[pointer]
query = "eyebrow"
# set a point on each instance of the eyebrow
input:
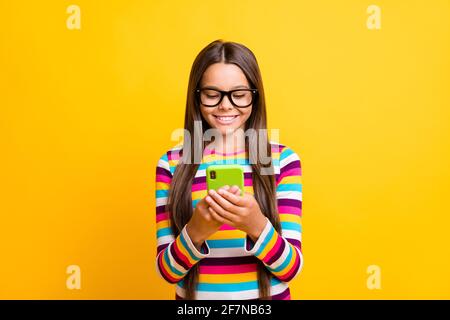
(235, 87)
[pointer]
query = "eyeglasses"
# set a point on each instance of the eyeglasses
(240, 98)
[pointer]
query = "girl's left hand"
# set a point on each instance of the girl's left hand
(241, 212)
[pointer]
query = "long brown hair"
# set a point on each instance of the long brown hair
(180, 201)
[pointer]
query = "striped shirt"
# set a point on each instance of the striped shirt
(228, 259)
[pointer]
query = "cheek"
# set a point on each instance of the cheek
(205, 113)
(246, 114)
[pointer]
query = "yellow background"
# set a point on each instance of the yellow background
(86, 114)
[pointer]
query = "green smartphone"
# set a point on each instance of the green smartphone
(219, 175)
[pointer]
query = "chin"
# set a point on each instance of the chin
(223, 129)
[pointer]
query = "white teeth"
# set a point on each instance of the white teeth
(226, 119)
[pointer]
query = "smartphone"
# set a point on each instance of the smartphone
(219, 175)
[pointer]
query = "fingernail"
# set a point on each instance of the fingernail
(208, 199)
(211, 192)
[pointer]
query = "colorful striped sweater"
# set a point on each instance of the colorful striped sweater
(228, 259)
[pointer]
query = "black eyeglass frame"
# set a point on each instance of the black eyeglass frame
(228, 94)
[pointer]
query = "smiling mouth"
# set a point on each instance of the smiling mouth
(226, 119)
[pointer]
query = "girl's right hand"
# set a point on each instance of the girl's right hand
(202, 225)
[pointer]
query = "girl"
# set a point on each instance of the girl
(224, 245)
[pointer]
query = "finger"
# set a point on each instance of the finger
(236, 200)
(235, 189)
(219, 209)
(224, 203)
(218, 217)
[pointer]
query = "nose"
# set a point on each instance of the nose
(225, 103)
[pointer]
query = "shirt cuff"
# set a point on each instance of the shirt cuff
(255, 247)
(191, 248)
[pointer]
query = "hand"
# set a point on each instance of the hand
(241, 212)
(202, 225)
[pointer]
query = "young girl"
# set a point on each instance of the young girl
(224, 245)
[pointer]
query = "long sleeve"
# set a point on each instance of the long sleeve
(282, 253)
(174, 255)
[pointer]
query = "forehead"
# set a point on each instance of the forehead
(225, 76)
